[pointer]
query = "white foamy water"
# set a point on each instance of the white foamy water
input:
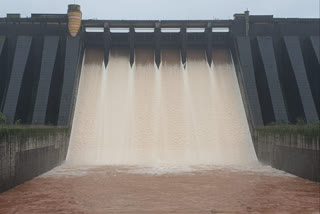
(66, 171)
(167, 117)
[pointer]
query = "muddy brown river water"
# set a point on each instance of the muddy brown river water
(209, 190)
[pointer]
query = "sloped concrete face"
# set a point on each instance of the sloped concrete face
(2, 69)
(312, 62)
(247, 71)
(293, 49)
(2, 41)
(47, 65)
(315, 41)
(270, 66)
(18, 69)
(71, 72)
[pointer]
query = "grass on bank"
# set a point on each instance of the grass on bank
(300, 128)
(27, 130)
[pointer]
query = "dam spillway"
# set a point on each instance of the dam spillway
(159, 72)
(167, 116)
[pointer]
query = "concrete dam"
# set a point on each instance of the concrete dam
(157, 93)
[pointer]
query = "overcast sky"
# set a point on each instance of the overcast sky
(166, 9)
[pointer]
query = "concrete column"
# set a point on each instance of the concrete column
(19, 64)
(49, 54)
(247, 17)
(209, 43)
(69, 80)
(2, 41)
(157, 40)
(131, 44)
(314, 78)
(293, 49)
(183, 37)
(247, 72)
(266, 50)
(107, 44)
(2, 71)
(315, 42)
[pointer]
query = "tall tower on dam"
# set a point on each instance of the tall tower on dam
(74, 19)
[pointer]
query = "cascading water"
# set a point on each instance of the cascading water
(151, 117)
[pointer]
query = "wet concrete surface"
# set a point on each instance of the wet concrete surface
(209, 190)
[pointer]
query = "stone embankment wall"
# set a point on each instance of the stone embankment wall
(294, 151)
(26, 152)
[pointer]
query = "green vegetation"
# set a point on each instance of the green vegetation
(27, 131)
(2, 118)
(18, 122)
(300, 128)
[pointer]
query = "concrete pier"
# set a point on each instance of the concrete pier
(18, 69)
(265, 45)
(297, 64)
(50, 49)
(247, 72)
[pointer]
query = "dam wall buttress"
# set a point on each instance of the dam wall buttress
(249, 80)
(49, 54)
(294, 52)
(70, 79)
(17, 73)
(285, 66)
(40, 65)
(281, 54)
(270, 71)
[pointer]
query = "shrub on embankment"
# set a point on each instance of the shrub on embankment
(2, 118)
(306, 130)
(30, 131)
